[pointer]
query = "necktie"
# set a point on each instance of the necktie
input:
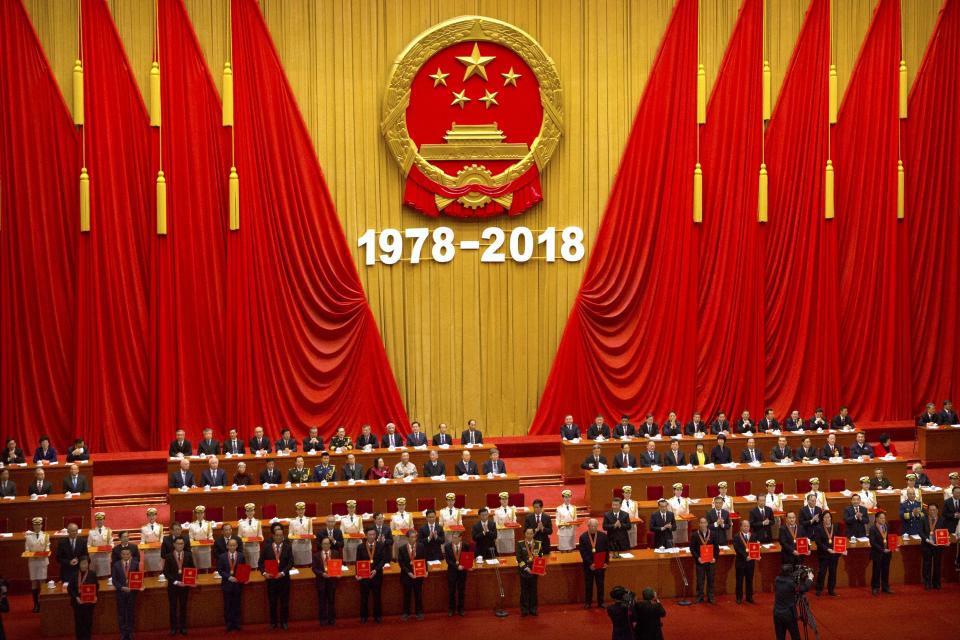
(126, 568)
(74, 482)
(753, 455)
(39, 486)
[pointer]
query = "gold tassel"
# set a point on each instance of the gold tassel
(904, 86)
(234, 199)
(698, 194)
(833, 94)
(767, 102)
(701, 94)
(161, 204)
(84, 200)
(78, 93)
(762, 195)
(901, 190)
(155, 94)
(828, 210)
(227, 95)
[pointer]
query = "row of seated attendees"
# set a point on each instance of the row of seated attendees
(722, 454)
(44, 453)
(73, 482)
(326, 471)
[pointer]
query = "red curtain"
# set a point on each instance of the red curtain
(303, 347)
(189, 303)
(800, 296)
(872, 248)
(931, 140)
(39, 219)
(629, 343)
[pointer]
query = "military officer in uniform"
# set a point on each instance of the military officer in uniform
(151, 533)
(100, 536)
(450, 516)
(325, 472)
(351, 525)
(680, 507)
(527, 551)
(251, 533)
(400, 524)
(504, 515)
(566, 522)
(630, 506)
(298, 474)
(301, 536)
(201, 530)
(911, 515)
(37, 541)
(341, 440)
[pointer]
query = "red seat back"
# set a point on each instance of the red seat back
(426, 503)
(838, 484)
(654, 492)
(338, 508)
(713, 491)
(778, 487)
(77, 520)
(268, 511)
(618, 493)
(364, 506)
(391, 505)
(743, 487)
(460, 500)
(686, 491)
(183, 515)
(311, 510)
(4, 525)
(517, 500)
(803, 486)
(215, 514)
(241, 512)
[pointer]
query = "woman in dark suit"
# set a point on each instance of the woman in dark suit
(82, 612)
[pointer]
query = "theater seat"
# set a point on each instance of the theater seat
(426, 503)
(311, 510)
(460, 500)
(215, 514)
(268, 511)
(803, 486)
(77, 520)
(743, 487)
(493, 500)
(686, 491)
(654, 492)
(4, 525)
(391, 505)
(838, 484)
(778, 488)
(713, 491)
(183, 515)
(618, 493)
(517, 500)
(241, 512)
(364, 506)
(338, 508)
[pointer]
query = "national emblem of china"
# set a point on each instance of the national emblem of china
(472, 114)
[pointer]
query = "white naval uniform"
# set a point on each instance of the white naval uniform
(566, 532)
(680, 507)
(38, 566)
(400, 521)
(727, 502)
(302, 549)
(448, 518)
(250, 528)
(633, 510)
(351, 524)
(868, 500)
(201, 530)
(100, 562)
(151, 557)
(506, 538)
(775, 502)
(821, 499)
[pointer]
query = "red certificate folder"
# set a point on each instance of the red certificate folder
(189, 576)
(271, 568)
(466, 560)
(803, 546)
(706, 553)
(242, 573)
(599, 559)
(135, 580)
(941, 537)
(893, 541)
(419, 568)
(334, 567)
(88, 594)
(363, 569)
(539, 566)
(839, 544)
(753, 551)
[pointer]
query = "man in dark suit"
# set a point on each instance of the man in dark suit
(721, 453)
(951, 509)
(594, 460)
(663, 523)
(180, 446)
(177, 592)
(416, 437)
(352, 470)
(751, 453)
(672, 426)
(880, 480)
(789, 532)
(592, 541)
(456, 574)
(434, 466)
(183, 477)
(720, 425)
(744, 424)
(880, 555)
(126, 599)
(466, 466)
(624, 459)
(472, 435)
(743, 564)
(375, 553)
(794, 422)
(124, 544)
(412, 585)
(648, 614)
(233, 444)
(213, 475)
(278, 550)
(598, 429)
(366, 438)
(494, 464)
(391, 439)
(568, 430)
(768, 423)
(69, 552)
(674, 457)
(431, 537)
(325, 584)
(695, 426)
(806, 451)
(761, 521)
(286, 443)
(222, 544)
(7, 487)
(74, 482)
(649, 428)
(819, 422)
(842, 420)
(40, 485)
(700, 538)
(383, 535)
(947, 415)
(232, 589)
(442, 437)
(781, 451)
(855, 517)
(259, 444)
(270, 473)
(929, 416)
(624, 428)
(484, 535)
(930, 552)
(208, 446)
(332, 531)
(176, 533)
(616, 524)
(313, 441)
(719, 520)
(541, 524)
(830, 449)
(810, 516)
(650, 456)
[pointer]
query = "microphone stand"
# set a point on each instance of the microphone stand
(500, 612)
(684, 601)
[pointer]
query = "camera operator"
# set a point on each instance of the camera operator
(647, 615)
(788, 588)
(619, 612)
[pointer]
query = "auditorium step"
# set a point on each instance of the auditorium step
(540, 480)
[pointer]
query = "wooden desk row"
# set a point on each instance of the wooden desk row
(17, 514)
(940, 445)
(600, 486)
(572, 454)
(255, 464)
(23, 476)
(562, 584)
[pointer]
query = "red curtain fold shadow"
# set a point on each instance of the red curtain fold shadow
(303, 346)
(39, 206)
(629, 343)
(872, 247)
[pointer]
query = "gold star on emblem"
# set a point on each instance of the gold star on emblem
(460, 99)
(510, 78)
(489, 98)
(440, 77)
(475, 63)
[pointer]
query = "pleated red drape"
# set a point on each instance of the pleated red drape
(629, 344)
(39, 219)
(800, 266)
(189, 303)
(930, 150)
(730, 308)
(303, 347)
(872, 249)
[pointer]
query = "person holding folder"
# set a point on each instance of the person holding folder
(459, 556)
(276, 560)
(126, 597)
(174, 566)
(80, 599)
(234, 573)
(744, 564)
(828, 557)
(327, 567)
(593, 552)
(527, 553)
(411, 555)
(371, 556)
(705, 549)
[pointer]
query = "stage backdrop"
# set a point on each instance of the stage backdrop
(465, 339)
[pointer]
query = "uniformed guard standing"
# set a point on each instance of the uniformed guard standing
(100, 536)
(251, 533)
(566, 516)
(201, 530)
(151, 533)
(400, 524)
(351, 525)
(37, 542)
(630, 506)
(506, 542)
(301, 525)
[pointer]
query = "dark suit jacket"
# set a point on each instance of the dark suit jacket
(618, 538)
(119, 578)
(45, 489)
(740, 547)
(716, 427)
(431, 548)
(857, 450)
(530, 522)
(317, 564)
(648, 429)
(667, 430)
(371, 440)
(50, 455)
(115, 554)
(876, 542)
(352, 472)
(177, 448)
(760, 532)
(721, 455)
(586, 551)
(258, 445)
(80, 487)
(176, 479)
(284, 562)
(779, 454)
(406, 561)
(73, 586)
(9, 489)
(822, 424)
(593, 431)
(649, 458)
(720, 532)
(286, 445)
(220, 546)
(223, 568)
(692, 429)
(768, 425)
(488, 467)
(670, 459)
(787, 544)
(335, 535)
(839, 422)
(745, 455)
(647, 615)
(451, 557)
(880, 483)
(948, 417)
(926, 418)
(442, 438)
(416, 439)
(211, 448)
(794, 425)
(824, 542)
(437, 468)
(830, 452)
(926, 532)
(951, 513)
(65, 554)
(566, 433)
(662, 537)
(387, 438)
(695, 544)
(486, 542)
(624, 430)
(739, 427)
(15, 458)
(80, 457)
(468, 469)
(619, 463)
(590, 463)
(239, 448)
(166, 545)
(477, 437)
(310, 444)
(810, 454)
(807, 525)
(170, 568)
(380, 557)
(213, 479)
(857, 528)
(273, 477)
